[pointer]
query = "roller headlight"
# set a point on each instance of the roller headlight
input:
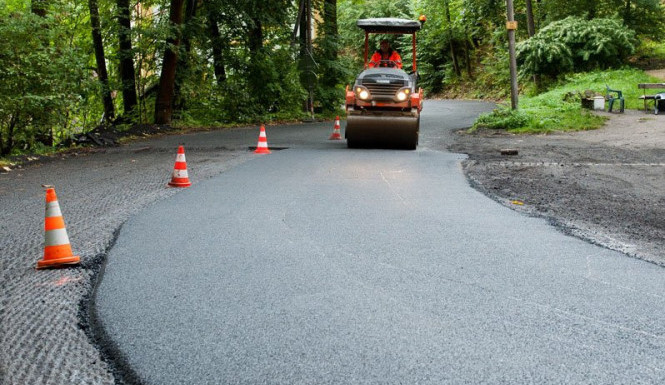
(403, 94)
(362, 93)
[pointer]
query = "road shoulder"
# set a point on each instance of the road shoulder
(605, 186)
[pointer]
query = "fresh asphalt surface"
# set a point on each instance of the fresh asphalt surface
(320, 264)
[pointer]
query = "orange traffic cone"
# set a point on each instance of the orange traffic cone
(180, 178)
(336, 135)
(57, 250)
(262, 146)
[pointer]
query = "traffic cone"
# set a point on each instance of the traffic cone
(262, 146)
(180, 178)
(57, 250)
(336, 135)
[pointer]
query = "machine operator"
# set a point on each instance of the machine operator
(385, 57)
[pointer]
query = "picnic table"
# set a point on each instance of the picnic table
(658, 99)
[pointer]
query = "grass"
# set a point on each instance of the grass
(649, 54)
(559, 109)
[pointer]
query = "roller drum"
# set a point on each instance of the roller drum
(382, 131)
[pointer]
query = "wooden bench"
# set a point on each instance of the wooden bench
(657, 99)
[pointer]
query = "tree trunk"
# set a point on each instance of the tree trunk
(256, 80)
(127, 74)
(330, 34)
(163, 104)
(467, 57)
(184, 60)
(303, 29)
(591, 6)
(97, 42)
(38, 7)
(513, 64)
(9, 143)
(305, 58)
(255, 36)
(216, 43)
(453, 54)
(330, 26)
(626, 14)
(531, 28)
(530, 24)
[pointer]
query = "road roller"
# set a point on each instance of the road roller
(383, 106)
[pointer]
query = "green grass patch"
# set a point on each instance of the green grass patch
(649, 54)
(559, 109)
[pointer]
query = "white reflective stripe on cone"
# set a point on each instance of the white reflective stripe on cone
(56, 237)
(180, 174)
(180, 158)
(53, 209)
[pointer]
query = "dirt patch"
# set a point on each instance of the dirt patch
(659, 73)
(606, 185)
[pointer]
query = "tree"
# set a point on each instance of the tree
(126, 58)
(530, 24)
(40, 84)
(39, 7)
(575, 44)
(330, 70)
(216, 42)
(163, 104)
(449, 31)
(185, 56)
(102, 74)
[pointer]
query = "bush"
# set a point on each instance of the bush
(559, 109)
(42, 81)
(573, 45)
(502, 118)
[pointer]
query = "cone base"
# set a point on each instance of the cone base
(335, 137)
(262, 151)
(180, 184)
(73, 260)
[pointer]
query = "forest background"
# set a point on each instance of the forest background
(71, 66)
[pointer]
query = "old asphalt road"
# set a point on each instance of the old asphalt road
(320, 264)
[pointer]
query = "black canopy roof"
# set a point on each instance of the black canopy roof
(389, 25)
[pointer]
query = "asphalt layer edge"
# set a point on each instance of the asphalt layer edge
(91, 324)
(562, 226)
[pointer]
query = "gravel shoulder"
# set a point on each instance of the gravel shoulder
(44, 335)
(605, 185)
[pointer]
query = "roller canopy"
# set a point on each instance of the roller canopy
(389, 25)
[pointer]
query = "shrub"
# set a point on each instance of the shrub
(502, 118)
(574, 44)
(41, 81)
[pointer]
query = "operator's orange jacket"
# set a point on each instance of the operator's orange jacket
(393, 56)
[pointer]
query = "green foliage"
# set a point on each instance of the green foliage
(48, 87)
(42, 81)
(503, 118)
(560, 108)
(260, 85)
(645, 17)
(625, 80)
(650, 54)
(352, 38)
(574, 44)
